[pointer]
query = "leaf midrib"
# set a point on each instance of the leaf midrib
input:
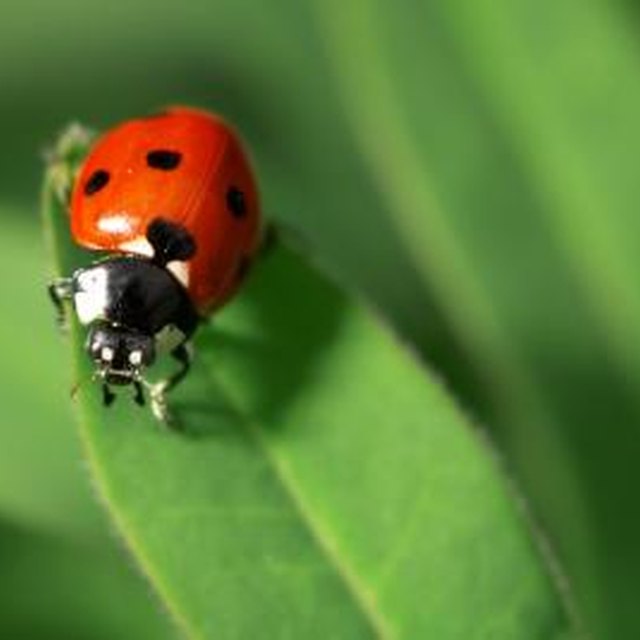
(325, 542)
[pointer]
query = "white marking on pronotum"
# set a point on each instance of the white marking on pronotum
(91, 296)
(117, 223)
(107, 354)
(180, 270)
(135, 358)
(140, 246)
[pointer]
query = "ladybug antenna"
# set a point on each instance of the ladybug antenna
(170, 241)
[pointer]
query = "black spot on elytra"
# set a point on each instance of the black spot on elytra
(170, 241)
(164, 159)
(236, 202)
(98, 180)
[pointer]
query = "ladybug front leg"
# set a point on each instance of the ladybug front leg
(138, 397)
(60, 290)
(108, 396)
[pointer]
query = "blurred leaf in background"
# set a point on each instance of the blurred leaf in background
(470, 167)
(55, 588)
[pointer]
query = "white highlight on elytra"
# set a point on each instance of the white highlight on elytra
(117, 223)
(139, 246)
(90, 300)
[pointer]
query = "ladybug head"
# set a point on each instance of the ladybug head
(120, 354)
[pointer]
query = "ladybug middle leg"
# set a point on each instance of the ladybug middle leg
(184, 356)
(158, 391)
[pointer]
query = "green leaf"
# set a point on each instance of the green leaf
(499, 139)
(575, 137)
(55, 588)
(42, 482)
(323, 483)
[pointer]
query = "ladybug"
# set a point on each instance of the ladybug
(170, 201)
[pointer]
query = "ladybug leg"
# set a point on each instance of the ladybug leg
(270, 239)
(277, 234)
(107, 395)
(159, 403)
(158, 391)
(60, 290)
(184, 356)
(138, 398)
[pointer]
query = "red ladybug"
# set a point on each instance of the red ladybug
(172, 201)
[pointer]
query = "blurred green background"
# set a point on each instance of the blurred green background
(470, 167)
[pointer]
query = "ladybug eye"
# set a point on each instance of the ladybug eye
(98, 180)
(236, 202)
(163, 159)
